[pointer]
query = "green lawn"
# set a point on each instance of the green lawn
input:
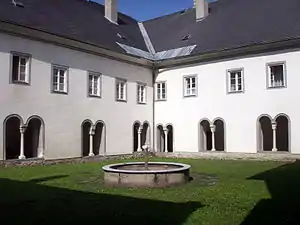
(221, 193)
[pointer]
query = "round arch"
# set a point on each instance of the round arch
(11, 136)
(99, 140)
(283, 132)
(34, 138)
(220, 133)
(264, 133)
(171, 141)
(204, 135)
(135, 136)
(86, 126)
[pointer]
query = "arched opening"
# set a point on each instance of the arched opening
(219, 135)
(136, 127)
(85, 133)
(12, 137)
(282, 133)
(34, 138)
(170, 138)
(160, 138)
(99, 139)
(265, 134)
(205, 136)
(145, 139)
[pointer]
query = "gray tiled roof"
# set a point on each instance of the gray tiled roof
(76, 19)
(230, 24)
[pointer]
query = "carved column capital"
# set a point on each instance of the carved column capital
(212, 128)
(274, 125)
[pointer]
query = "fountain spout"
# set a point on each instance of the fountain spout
(146, 153)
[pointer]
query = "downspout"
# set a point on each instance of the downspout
(154, 75)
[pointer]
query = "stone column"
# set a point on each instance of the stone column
(213, 130)
(22, 132)
(41, 142)
(92, 133)
(166, 131)
(139, 138)
(274, 127)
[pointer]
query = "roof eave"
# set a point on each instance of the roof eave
(38, 35)
(229, 53)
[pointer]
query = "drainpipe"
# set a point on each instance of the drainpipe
(154, 75)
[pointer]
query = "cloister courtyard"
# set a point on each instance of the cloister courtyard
(221, 192)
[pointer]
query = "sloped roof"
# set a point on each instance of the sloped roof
(230, 24)
(75, 19)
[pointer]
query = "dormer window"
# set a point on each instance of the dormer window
(186, 37)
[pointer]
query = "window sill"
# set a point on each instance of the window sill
(60, 92)
(121, 100)
(94, 96)
(190, 96)
(161, 100)
(236, 92)
(141, 103)
(276, 87)
(21, 83)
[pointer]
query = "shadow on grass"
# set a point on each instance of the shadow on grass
(283, 208)
(32, 203)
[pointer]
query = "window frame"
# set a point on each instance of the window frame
(268, 78)
(228, 80)
(28, 68)
(156, 88)
(125, 89)
(185, 95)
(66, 68)
(139, 84)
(88, 84)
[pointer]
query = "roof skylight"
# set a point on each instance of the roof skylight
(17, 4)
(186, 37)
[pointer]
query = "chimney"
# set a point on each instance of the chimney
(201, 7)
(111, 10)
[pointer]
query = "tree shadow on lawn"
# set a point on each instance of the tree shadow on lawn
(284, 207)
(32, 203)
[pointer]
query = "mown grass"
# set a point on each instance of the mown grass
(221, 193)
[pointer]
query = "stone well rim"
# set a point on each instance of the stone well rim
(181, 167)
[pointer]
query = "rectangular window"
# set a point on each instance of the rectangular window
(235, 81)
(20, 68)
(121, 86)
(94, 84)
(161, 91)
(276, 75)
(59, 79)
(141, 93)
(190, 86)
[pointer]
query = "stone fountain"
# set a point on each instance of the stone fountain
(146, 174)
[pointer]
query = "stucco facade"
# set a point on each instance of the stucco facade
(239, 111)
(63, 114)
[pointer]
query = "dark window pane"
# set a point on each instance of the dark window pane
(15, 68)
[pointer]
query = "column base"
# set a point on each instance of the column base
(91, 154)
(274, 150)
(22, 157)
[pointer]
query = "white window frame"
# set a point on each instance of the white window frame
(158, 94)
(27, 71)
(118, 86)
(242, 84)
(141, 93)
(270, 80)
(99, 84)
(65, 88)
(190, 91)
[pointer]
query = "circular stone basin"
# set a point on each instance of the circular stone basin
(159, 174)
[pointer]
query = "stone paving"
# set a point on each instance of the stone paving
(266, 156)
